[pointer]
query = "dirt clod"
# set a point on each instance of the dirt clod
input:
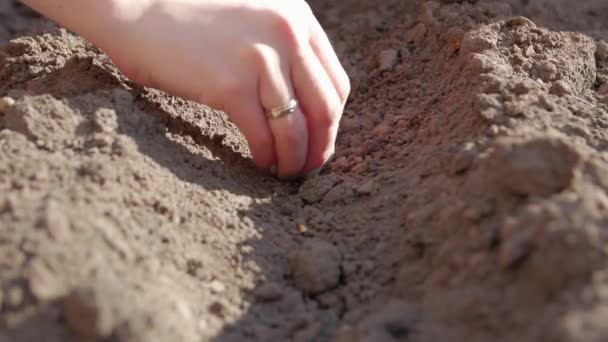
(87, 315)
(14, 297)
(268, 292)
(540, 166)
(560, 88)
(316, 266)
(387, 59)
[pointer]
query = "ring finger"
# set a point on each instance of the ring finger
(290, 131)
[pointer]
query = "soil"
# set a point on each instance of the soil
(467, 200)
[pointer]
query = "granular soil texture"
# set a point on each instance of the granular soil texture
(467, 200)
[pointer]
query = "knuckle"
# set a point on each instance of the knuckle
(285, 27)
(259, 57)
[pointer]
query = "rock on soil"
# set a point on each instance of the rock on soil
(316, 267)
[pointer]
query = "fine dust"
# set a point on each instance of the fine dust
(467, 199)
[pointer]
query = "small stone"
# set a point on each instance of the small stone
(529, 51)
(545, 70)
(494, 130)
(366, 188)
(6, 103)
(515, 250)
(560, 88)
(387, 59)
(268, 292)
(302, 229)
(14, 297)
(87, 315)
(316, 267)
(217, 286)
(417, 34)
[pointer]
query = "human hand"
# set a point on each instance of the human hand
(244, 57)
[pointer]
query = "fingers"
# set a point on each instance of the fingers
(322, 47)
(323, 107)
(247, 114)
(290, 132)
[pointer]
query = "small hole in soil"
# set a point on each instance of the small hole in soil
(397, 329)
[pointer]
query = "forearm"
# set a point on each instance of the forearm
(97, 20)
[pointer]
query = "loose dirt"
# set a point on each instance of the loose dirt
(467, 200)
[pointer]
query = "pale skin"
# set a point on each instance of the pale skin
(241, 56)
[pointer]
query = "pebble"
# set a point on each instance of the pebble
(268, 292)
(6, 103)
(87, 316)
(515, 250)
(560, 88)
(387, 59)
(316, 267)
(366, 188)
(417, 34)
(14, 297)
(302, 228)
(217, 286)
(545, 70)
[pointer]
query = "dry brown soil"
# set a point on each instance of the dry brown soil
(467, 200)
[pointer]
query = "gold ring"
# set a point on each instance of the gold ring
(279, 112)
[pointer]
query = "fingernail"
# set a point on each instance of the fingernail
(273, 170)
